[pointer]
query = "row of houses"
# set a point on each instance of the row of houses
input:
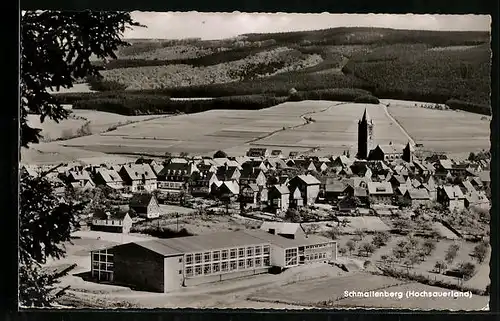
(281, 183)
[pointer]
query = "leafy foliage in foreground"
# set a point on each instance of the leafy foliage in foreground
(55, 50)
(45, 224)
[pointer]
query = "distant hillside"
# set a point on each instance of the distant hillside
(382, 36)
(432, 66)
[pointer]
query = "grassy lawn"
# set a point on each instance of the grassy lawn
(324, 289)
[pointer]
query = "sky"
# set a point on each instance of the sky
(178, 25)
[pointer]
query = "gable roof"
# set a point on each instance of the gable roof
(453, 192)
(281, 227)
(276, 152)
(309, 179)
(224, 173)
(253, 187)
(379, 188)
(175, 169)
(233, 187)
(336, 187)
(282, 189)
(109, 175)
(399, 179)
(418, 194)
(484, 176)
(391, 148)
(402, 189)
(141, 200)
(445, 163)
(139, 171)
(360, 192)
(80, 175)
(468, 186)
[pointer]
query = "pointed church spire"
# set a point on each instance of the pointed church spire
(366, 116)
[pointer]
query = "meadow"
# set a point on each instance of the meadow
(333, 129)
(448, 131)
(319, 127)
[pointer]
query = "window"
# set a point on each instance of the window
(250, 251)
(96, 256)
(206, 257)
(102, 257)
(189, 259)
(224, 254)
(207, 269)
(266, 261)
(197, 258)
(258, 262)
(95, 265)
(180, 260)
(233, 253)
(232, 265)
(216, 267)
(241, 264)
(266, 249)
(197, 270)
(241, 252)
(109, 266)
(291, 256)
(315, 256)
(189, 271)
(224, 266)
(258, 250)
(180, 271)
(249, 263)
(102, 266)
(216, 255)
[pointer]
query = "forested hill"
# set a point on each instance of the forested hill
(432, 66)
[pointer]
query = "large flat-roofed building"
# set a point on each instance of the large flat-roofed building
(167, 264)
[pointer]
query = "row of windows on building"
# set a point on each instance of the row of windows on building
(107, 222)
(316, 246)
(230, 254)
(169, 185)
(227, 266)
(102, 263)
(315, 256)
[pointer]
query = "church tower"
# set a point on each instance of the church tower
(365, 136)
(408, 152)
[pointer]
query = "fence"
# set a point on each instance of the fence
(405, 273)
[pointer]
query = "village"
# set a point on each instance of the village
(297, 204)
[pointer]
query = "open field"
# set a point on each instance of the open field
(202, 224)
(284, 126)
(333, 130)
(98, 122)
(446, 131)
(54, 153)
(324, 289)
(77, 88)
